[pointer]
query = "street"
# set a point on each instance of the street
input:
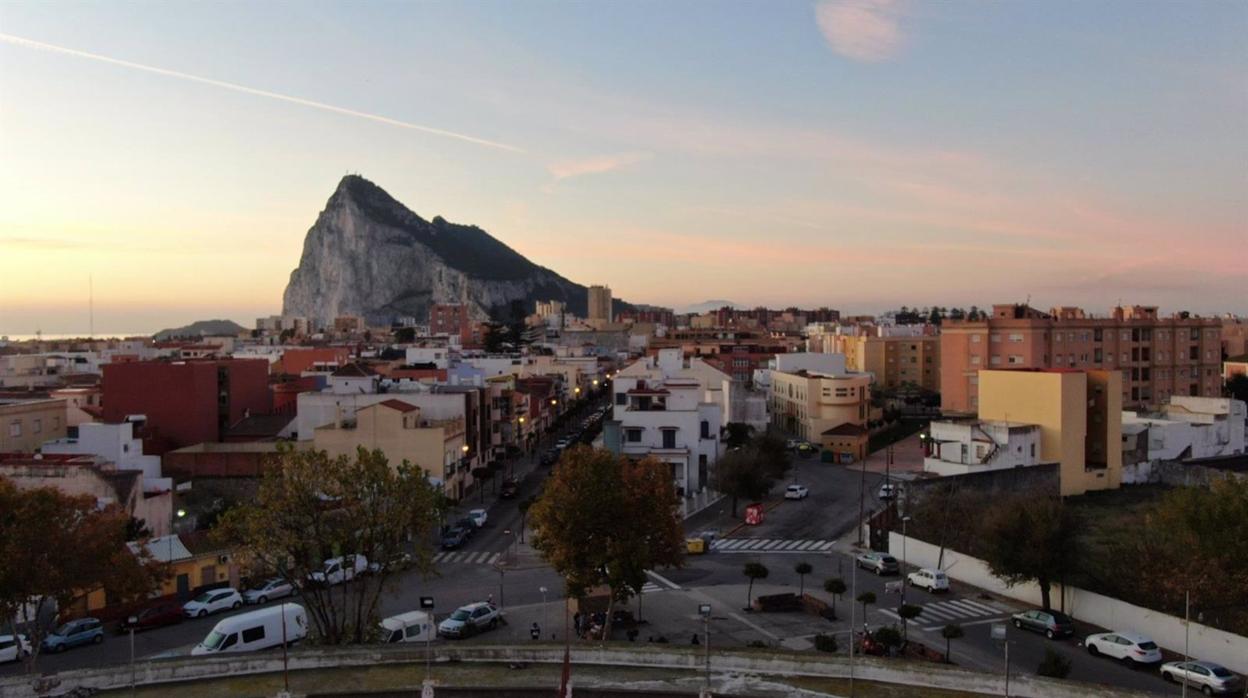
(818, 530)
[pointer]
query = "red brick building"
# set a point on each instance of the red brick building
(186, 402)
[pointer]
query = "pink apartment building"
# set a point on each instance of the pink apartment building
(1158, 357)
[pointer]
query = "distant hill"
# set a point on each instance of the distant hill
(201, 328)
(369, 255)
(708, 306)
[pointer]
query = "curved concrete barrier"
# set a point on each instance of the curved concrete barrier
(755, 662)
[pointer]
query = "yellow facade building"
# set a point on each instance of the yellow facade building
(1079, 414)
(397, 429)
(26, 424)
(813, 406)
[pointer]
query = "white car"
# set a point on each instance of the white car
(930, 579)
(274, 588)
(796, 492)
(13, 648)
(1132, 648)
(470, 619)
(1210, 678)
(337, 570)
(211, 602)
(889, 490)
(479, 517)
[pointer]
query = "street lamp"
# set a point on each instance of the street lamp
(131, 621)
(543, 590)
(704, 610)
(904, 521)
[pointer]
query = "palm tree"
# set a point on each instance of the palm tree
(950, 632)
(835, 587)
(908, 612)
(802, 569)
(754, 570)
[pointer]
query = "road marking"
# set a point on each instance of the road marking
(494, 557)
(938, 613)
(983, 609)
(660, 578)
(728, 544)
(984, 621)
(968, 608)
(790, 544)
(439, 557)
(827, 546)
(757, 628)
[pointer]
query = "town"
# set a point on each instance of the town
(926, 485)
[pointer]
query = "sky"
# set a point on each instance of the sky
(167, 158)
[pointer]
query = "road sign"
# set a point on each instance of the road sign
(426, 602)
(704, 610)
(998, 632)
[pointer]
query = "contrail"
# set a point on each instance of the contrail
(29, 43)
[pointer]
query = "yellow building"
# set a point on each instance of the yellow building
(893, 360)
(397, 429)
(807, 404)
(26, 424)
(1079, 414)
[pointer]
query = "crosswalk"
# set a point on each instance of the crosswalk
(766, 545)
(467, 557)
(962, 611)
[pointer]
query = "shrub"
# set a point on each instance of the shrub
(825, 643)
(1053, 665)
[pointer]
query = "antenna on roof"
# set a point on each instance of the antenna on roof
(90, 306)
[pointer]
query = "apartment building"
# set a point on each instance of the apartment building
(896, 355)
(1079, 414)
(599, 303)
(1156, 356)
(399, 430)
(813, 397)
(26, 424)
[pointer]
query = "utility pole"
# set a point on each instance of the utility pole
(1187, 624)
(853, 603)
(862, 503)
(133, 620)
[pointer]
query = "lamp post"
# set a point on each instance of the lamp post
(173, 525)
(426, 603)
(132, 620)
(705, 611)
(543, 590)
(904, 521)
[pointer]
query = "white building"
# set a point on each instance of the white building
(1189, 427)
(439, 356)
(973, 446)
(116, 444)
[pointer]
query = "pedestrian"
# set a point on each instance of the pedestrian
(576, 623)
(490, 599)
(695, 640)
(535, 632)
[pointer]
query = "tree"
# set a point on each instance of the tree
(802, 569)
(754, 571)
(1236, 387)
(311, 507)
(59, 548)
(957, 314)
(751, 471)
(603, 519)
(524, 505)
(494, 338)
(825, 643)
(1054, 665)
(887, 637)
(1028, 538)
(136, 529)
(479, 475)
(737, 434)
(836, 587)
(950, 632)
(866, 598)
(405, 335)
(934, 317)
(908, 612)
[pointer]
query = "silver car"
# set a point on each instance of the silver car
(1212, 679)
(274, 588)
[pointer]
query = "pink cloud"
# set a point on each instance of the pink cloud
(565, 169)
(862, 30)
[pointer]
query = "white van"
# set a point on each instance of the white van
(256, 630)
(337, 570)
(413, 626)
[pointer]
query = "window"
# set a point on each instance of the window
(1097, 335)
(995, 338)
(706, 429)
(1033, 450)
(1016, 359)
(230, 641)
(621, 398)
(1057, 337)
(15, 427)
(1193, 353)
(1098, 356)
(632, 435)
(253, 634)
(36, 425)
(975, 339)
(996, 360)
(1016, 337)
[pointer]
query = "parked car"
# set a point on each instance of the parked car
(880, 563)
(791, 444)
(413, 626)
(1051, 623)
(479, 517)
(930, 579)
(796, 492)
(157, 615)
(13, 648)
(338, 570)
(509, 489)
(1132, 648)
(274, 588)
(256, 630)
(84, 631)
(211, 602)
(470, 619)
(466, 523)
(889, 490)
(392, 563)
(806, 448)
(454, 538)
(1212, 679)
(548, 458)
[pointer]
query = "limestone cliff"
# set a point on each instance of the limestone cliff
(368, 255)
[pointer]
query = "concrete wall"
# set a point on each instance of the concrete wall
(583, 658)
(1039, 478)
(1175, 474)
(1168, 631)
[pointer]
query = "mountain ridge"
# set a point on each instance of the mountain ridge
(368, 254)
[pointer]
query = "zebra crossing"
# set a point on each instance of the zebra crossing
(767, 545)
(941, 613)
(467, 557)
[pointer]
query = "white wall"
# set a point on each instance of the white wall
(815, 362)
(1206, 643)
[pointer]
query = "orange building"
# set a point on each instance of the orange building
(1158, 357)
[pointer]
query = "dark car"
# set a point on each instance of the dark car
(154, 616)
(549, 458)
(466, 523)
(1051, 623)
(509, 489)
(454, 538)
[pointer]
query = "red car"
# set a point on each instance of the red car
(154, 616)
